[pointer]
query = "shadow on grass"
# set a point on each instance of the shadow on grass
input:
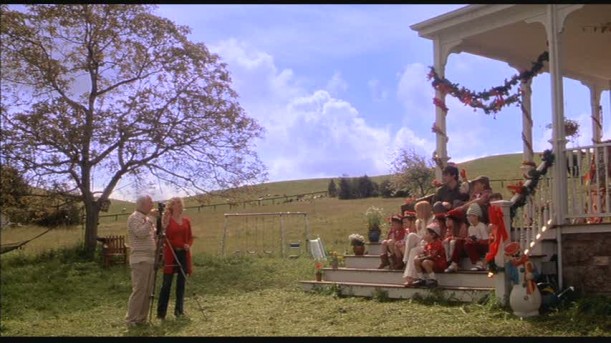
(167, 327)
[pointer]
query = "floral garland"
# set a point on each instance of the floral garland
(524, 189)
(479, 100)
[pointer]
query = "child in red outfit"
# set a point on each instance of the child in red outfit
(389, 245)
(431, 260)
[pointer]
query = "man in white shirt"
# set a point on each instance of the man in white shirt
(141, 234)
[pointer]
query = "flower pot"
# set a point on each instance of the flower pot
(334, 264)
(359, 250)
(374, 235)
(318, 276)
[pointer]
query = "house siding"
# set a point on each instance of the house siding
(587, 262)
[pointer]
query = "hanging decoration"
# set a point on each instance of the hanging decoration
(500, 95)
(521, 190)
(438, 130)
(526, 117)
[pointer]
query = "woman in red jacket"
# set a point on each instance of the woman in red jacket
(176, 255)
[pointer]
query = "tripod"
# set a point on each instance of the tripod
(158, 256)
(183, 273)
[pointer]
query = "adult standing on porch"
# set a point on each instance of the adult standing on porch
(141, 237)
(176, 256)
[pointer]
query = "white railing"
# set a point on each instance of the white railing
(588, 174)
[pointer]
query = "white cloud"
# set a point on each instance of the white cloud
(308, 132)
(378, 93)
(415, 93)
(336, 84)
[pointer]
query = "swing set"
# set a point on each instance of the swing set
(4, 248)
(265, 234)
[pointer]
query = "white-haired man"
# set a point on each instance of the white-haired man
(141, 235)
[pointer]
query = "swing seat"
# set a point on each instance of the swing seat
(295, 248)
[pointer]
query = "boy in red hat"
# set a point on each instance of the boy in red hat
(476, 243)
(389, 245)
(456, 229)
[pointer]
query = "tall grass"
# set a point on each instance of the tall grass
(61, 294)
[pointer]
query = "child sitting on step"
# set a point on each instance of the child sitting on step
(476, 243)
(431, 260)
(413, 241)
(396, 234)
(409, 225)
(456, 229)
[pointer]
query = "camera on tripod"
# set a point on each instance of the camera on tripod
(160, 209)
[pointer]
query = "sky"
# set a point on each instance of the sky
(340, 89)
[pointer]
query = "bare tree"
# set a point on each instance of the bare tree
(112, 92)
(412, 172)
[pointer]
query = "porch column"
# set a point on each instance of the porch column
(527, 124)
(596, 109)
(554, 27)
(440, 114)
(441, 50)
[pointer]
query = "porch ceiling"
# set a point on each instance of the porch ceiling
(516, 35)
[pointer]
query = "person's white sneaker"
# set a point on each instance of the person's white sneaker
(452, 268)
(479, 266)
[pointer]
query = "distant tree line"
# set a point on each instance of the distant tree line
(21, 203)
(363, 187)
(411, 176)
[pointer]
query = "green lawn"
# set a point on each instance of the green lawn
(58, 294)
(48, 290)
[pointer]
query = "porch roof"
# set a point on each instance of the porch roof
(516, 35)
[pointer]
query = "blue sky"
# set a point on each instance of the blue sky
(340, 89)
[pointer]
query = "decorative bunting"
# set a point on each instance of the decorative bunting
(500, 95)
(523, 190)
(436, 129)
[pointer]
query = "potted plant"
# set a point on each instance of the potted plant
(318, 265)
(358, 243)
(334, 259)
(374, 217)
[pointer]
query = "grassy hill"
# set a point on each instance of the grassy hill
(331, 219)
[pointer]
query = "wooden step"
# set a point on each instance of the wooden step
(362, 289)
(395, 277)
(373, 248)
(373, 261)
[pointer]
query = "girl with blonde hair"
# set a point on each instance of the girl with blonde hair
(414, 244)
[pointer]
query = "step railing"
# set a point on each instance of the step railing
(588, 174)
(531, 207)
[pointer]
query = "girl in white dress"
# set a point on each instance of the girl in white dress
(414, 244)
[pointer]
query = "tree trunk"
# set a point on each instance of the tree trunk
(92, 215)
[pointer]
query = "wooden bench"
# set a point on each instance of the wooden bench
(114, 250)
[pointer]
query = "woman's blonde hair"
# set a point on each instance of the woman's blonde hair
(423, 206)
(170, 204)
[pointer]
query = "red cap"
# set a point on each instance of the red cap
(396, 217)
(409, 214)
(456, 213)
